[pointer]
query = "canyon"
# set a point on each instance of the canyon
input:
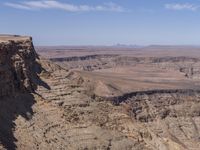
(98, 97)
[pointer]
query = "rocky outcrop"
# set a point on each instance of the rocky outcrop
(18, 81)
(18, 66)
(165, 119)
(67, 114)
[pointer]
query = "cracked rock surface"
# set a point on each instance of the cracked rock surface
(43, 106)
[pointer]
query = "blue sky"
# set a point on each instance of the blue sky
(103, 22)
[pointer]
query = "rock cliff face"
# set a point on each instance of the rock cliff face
(17, 64)
(18, 80)
(43, 106)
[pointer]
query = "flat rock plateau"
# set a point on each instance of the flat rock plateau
(98, 98)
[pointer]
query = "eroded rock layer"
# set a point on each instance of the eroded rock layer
(18, 80)
(43, 106)
(17, 66)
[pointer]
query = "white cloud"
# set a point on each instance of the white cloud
(54, 4)
(179, 6)
(17, 6)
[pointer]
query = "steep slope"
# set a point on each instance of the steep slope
(18, 78)
(43, 106)
(46, 107)
(17, 64)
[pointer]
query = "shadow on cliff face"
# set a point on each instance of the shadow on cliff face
(18, 104)
(36, 70)
(10, 109)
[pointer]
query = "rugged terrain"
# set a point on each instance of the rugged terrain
(118, 102)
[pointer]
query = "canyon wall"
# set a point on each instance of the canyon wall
(18, 66)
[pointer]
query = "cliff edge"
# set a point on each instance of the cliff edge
(18, 65)
(19, 78)
(43, 106)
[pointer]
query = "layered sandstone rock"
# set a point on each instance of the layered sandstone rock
(17, 65)
(52, 108)
(18, 79)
